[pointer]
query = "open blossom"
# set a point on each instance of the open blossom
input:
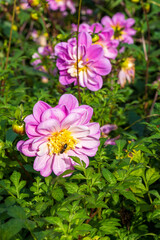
(61, 5)
(127, 72)
(57, 133)
(121, 26)
(91, 62)
(104, 37)
(108, 44)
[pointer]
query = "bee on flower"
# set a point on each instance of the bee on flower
(127, 72)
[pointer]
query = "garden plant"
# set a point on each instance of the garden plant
(79, 120)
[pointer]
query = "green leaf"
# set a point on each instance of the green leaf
(15, 178)
(71, 187)
(152, 175)
(56, 221)
(17, 212)
(78, 176)
(120, 144)
(10, 135)
(57, 194)
(129, 195)
(10, 229)
(81, 230)
(109, 226)
(109, 176)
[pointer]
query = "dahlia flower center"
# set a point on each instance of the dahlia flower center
(81, 67)
(128, 63)
(61, 142)
(118, 32)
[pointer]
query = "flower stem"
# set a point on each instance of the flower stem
(148, 53)
(79, 15)
(9, 44)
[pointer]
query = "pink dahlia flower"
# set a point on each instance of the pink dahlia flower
(121, 26)
(92, 64)
(57, 133)
(127, 71)
(61, 5)
(108, 44)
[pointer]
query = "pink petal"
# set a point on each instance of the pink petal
(43, 149)
(26, 148)
(54, 113)
(96, 85)
(38, 141)
(79, 131)
(39, 108)
(69, 101)
(86, 113)
(48, 127)
(85, 39)
(71, 119)
(94, 52)
(107, 21)
(40, 162)
(86, 151)
(94, 128)
(102, 67)
(61, 163)
(89, 142)
(45, 172)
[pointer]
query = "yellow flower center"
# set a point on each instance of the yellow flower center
(128, 63)
(81, 67)
(61, 142)
(118, 32)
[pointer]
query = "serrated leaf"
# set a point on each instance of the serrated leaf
(109, 176)
(15, 178)
(57, 194)
(152, 175)
(10, 229)
(129, 195)
(120, 144)
(109, 226)
(71, 187)
(78, 176)
(17, 212)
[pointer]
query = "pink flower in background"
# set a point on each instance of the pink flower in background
(105, 130)
(24, 4)
(108, 44)
(91, 62)
(104, 36)
(84, 27)
(57, 133)
(43, 52)
(61, 5)
(127, 72)
(121, 26)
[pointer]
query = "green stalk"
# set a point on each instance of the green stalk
(79, 15)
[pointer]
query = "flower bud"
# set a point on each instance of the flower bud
(95, 38)
(33, 3)
(147, 7)
(18, 128)
(34, 16)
